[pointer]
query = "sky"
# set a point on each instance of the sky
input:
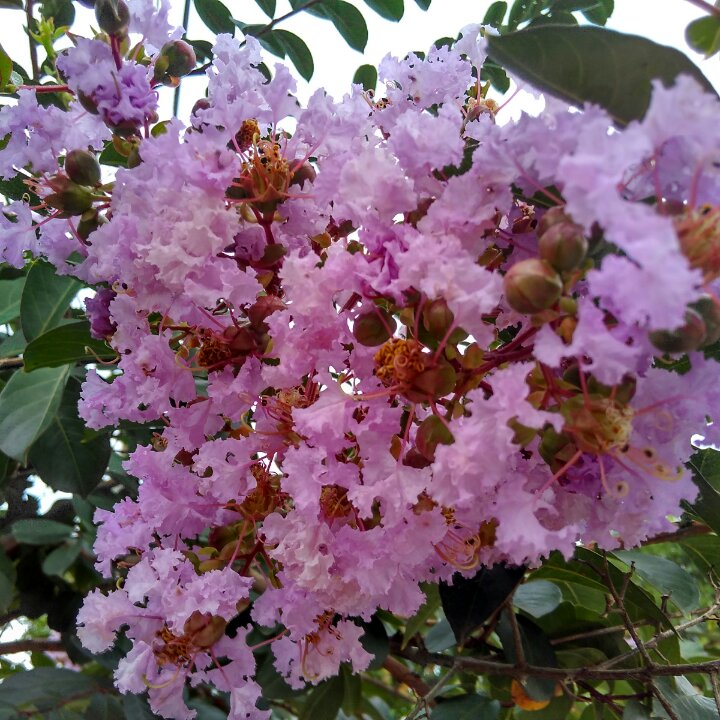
(335, 63)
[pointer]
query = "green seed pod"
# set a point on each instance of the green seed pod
(374, 328)
(71, 199)
(532, 286)
(437, 318)
(82, 167)
(564, 246)
(688, 337)
(176, 59)
(113, 16)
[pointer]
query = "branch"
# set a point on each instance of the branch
(33, 47)
(38, 645)
(405, 676)
(692, 530)
(706, 6)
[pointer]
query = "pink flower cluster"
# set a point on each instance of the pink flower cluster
(389, 339)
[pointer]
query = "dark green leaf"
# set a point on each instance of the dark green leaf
(417, 622)
(111, 157)
(707, 504)
(46, 687)
(469, 602)
(685, 700)
(600, 13)
(349, 22)
(440, 637)
(467, 707)
(523, 10)
(10, 295)
(267, 6)
(27, 405)
(39, 531)
(538, 597)
(216, 16)
(366, 75)
(104, 707)
(297, 51)
(61, 558)
(68, 343)
(665, 575)
(13, 345)
(352, 690)
(703, 35)
(324, 701)
(423, 4)
(635, 710)
(496, 75)
(63, 456)
(61, 11)
(703, 552)
(8, 576)
(595, 65)
(11, 4)
(45, 299)
(136, 708)
(15, 188)
(536, 648)
(495, 14)
(389, 9)
(375, 641)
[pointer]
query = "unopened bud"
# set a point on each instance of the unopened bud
(374, 328)
(88, 224)
(563, 245)
(551, 217)
(71, 198)
(431, 433)
(113, 16)
(176, 59)
(709, 311)
(82, 167)
(305, 173)
(436, 382)
(438, 318)
(204, 629)
(690, 336)
(532, 286)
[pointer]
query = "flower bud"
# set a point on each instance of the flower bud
(551, 217)
(709, 311)
(688, 337)
(373, 328)
(113, 16)
(305, 173)
(438, 318)
(82, 167)
(204, 629)
(436, 382)
(177, 58)
(564, 246)
(70, 198)
(532, 286)
(431, 433)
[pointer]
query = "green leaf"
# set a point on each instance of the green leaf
(600, 13)
(10, 294)
(389, 9)
(635, 710)
(46, 688)
(703, 35)
(348, 21)
(523, 10)
(267, 6)
(352, 690)
(366, 75)
(104, 707)
(375, 641)
(469, 602)
(27, 405)
(685, 700)
(705, 476)
(538, 597)
(13, 345)
(423, 4)
(8, 575)
(592, 64)
(61, 11)
(11, 4)
(61, 558)
(665, 575)
(440, 637)
(68, 343)
(467, 707)
(297, 51)
(704, 552)
(558, 709)
(45, 299)
(39, 531)
(111, 157)
(496, 75)
(216, 16)
(495, 14)
(6, 68)
(325, 700)
(417, 622)
(64, 458)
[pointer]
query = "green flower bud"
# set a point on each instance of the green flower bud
(437, 382)
(532, 286)
(374, 328)
(305, 173)
(438, 318)
(563, 245)
(688, 337)
(71, 199)
(176, 59)
(82, 167)
(113, 16)
(88, 224)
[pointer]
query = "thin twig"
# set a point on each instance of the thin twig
(39, 645)
(406, 676)
(664, 702)
(706, 6)
(425, 700)
(716, 690)
(33, 47)
(520, 661)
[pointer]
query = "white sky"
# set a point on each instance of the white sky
(335, 63)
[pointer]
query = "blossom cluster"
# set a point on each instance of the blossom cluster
(389, 338)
